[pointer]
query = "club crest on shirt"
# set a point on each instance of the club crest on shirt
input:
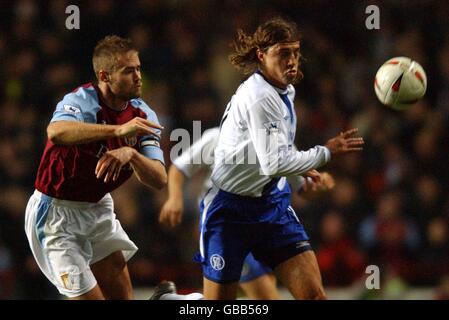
(101, 151)
(131, 141)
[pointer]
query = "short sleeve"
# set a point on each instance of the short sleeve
(80, 105)
(68, 110)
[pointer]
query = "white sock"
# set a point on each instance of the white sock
(175, 296)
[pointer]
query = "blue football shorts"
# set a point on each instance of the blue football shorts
(232, 226)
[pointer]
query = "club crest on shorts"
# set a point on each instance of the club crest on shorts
(217, 262)
(131, 141)
(71, 279)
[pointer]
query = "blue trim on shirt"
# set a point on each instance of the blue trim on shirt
(287, 102)
(284, 96)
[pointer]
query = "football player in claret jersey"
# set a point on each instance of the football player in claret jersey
(99, 135)
(248, 208)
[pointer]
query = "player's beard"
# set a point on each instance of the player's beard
(125, 93)
(133, 93)
(137, 92)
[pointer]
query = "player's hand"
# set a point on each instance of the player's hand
(171, 212)
(111, 163)
(311, 180)
(313, 189)
(345, 142)
(137, 127)
(327, 182)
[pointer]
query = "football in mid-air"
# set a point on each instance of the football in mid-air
(400, 82)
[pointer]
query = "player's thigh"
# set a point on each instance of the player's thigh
(219, 291)
(113, 277)
(301, 275)
(62, 256)
(108, 235)
(222, 251)
(257, 280)
(261, 288)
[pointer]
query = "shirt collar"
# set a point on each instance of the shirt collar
(278, 90)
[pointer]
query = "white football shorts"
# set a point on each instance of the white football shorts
(66, 237)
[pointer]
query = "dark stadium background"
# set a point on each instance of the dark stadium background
(390, 207)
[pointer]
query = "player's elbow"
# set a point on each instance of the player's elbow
(269, 170)
(270, 165)
(53, 133)
(161, 181)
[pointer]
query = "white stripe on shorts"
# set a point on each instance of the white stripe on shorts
(294, 213)
(208, 199)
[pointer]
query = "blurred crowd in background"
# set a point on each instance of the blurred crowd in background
(390, 206)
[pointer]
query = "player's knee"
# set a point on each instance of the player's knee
(117, 265)
(110, 266)
(317, 294)
(320, 296)
(309, 293)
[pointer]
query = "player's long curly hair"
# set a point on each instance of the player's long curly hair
(269, 33)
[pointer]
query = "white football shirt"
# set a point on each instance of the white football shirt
(256, 140)
(203, 149)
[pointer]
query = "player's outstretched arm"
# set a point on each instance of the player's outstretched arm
(345, 142)
(76, 132)
(150, 172)
(173, 209)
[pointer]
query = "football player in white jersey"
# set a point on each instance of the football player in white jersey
(248, 208)
(257, 280)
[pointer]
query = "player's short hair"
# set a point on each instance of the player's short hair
(269, 33)
(107, 52)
